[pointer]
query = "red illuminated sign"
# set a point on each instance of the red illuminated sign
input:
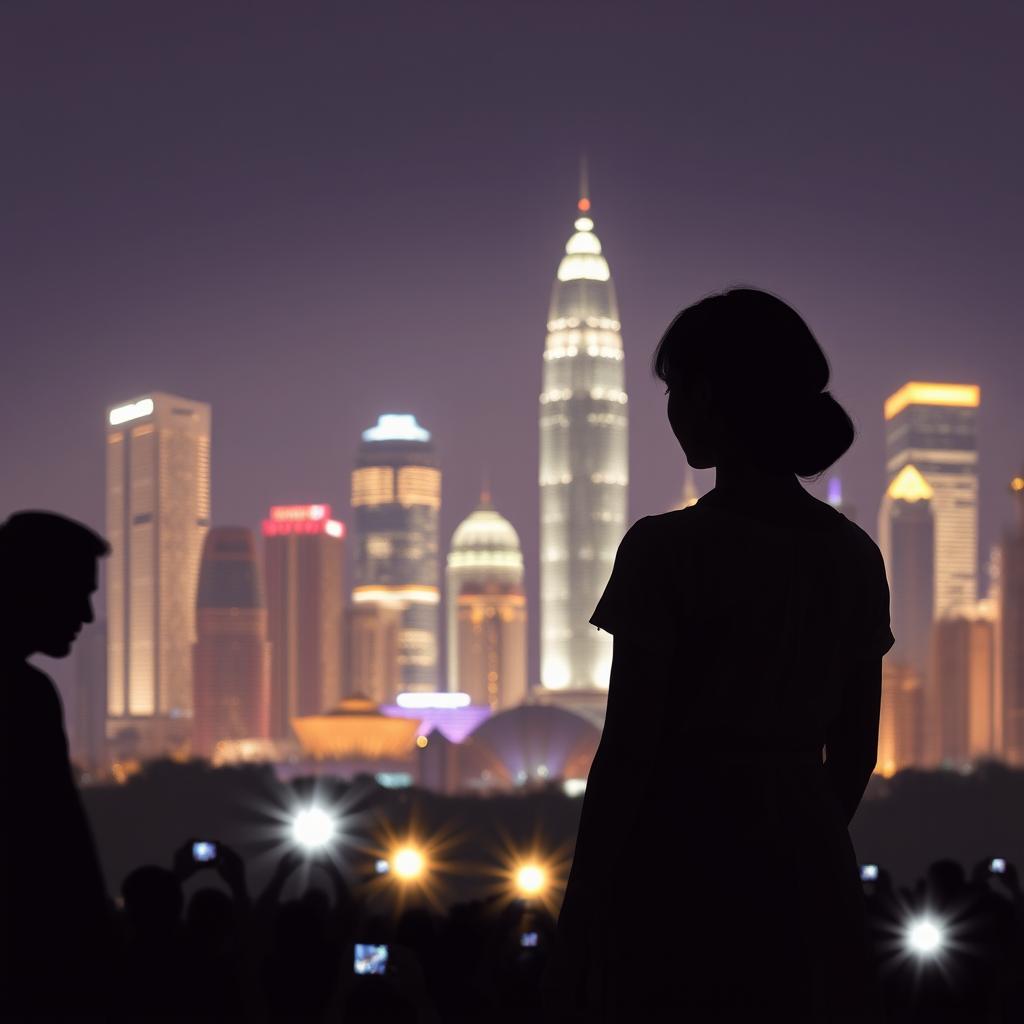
(289, 520)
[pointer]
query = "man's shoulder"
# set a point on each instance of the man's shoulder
(29, 690)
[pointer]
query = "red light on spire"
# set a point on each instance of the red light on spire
(583, 204)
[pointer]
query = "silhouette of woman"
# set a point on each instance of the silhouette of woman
(714, 878)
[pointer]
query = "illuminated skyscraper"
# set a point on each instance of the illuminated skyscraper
(906, 534)
(906, 537)
(486, 610)
(1010, 626)
(934, 428)
(964, 716)
(303, 551)
(396, 502)
(372, 669)
(584, 468)
(158, 512)
(231, 657)
(900, 722)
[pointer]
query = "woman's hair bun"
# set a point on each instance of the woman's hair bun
(820, 434)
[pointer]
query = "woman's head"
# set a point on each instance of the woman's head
(746, 382)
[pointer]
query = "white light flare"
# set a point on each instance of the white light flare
(313, 828)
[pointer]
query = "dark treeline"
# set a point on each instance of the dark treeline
(904, 823)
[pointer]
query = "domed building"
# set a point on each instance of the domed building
(529, 744)
(486, 610)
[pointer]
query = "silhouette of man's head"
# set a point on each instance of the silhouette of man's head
(746, 382)
(153, 901)
(48, 574)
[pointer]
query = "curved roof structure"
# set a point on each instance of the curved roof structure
(356, 729)
(536, 742)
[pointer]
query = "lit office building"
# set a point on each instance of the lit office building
(900, 732)
(486, 610)
(231, 657)
(964, 716)
(934, 428)
(584, 470)
(396, 502)
(303, 551)
(906, 537)
(1010, 625)
(372, 670)
(906, 534)
(158, 512)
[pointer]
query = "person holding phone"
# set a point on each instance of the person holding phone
(742, 717)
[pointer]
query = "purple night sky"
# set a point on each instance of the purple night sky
(311, 213)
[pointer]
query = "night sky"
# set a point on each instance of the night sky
(308, 213)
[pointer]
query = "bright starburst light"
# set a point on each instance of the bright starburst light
(924, 936)
(313, 828)
(408, 864)
(531, 879)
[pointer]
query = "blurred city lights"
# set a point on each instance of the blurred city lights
(924, 936)
(408, 864)
(531, 879)
(312, 828)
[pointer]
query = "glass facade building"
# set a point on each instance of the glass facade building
(584, 465)
(157, 514)
(396, 505)
(934, 427)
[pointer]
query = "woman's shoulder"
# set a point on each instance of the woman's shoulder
(650, 532)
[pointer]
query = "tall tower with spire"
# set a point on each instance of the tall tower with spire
(584, 467)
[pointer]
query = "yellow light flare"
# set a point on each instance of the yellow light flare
(418, 863)
(910, 485)
(408, 864)
(915, 392)
(531, 879)
(1017, 483)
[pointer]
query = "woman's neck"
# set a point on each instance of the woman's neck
(743, 478)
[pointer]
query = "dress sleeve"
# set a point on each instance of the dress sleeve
(638, 601)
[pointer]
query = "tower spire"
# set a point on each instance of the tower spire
(583, 205)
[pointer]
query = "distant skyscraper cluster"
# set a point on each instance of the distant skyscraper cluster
(216, 644)
(948, 683)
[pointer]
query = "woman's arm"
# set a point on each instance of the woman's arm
(633, 723)
(851, 743)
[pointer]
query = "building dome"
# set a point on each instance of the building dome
(535, 743)
(486, 540)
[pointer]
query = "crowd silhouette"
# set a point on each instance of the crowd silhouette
(740, 735)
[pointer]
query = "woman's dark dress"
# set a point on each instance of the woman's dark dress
(735, 894)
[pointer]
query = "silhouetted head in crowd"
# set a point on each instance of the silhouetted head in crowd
(210, 917)
(945, 881)
(48, 574)
(746, 382)
(153, 901)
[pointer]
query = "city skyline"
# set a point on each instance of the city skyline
(363, 242)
